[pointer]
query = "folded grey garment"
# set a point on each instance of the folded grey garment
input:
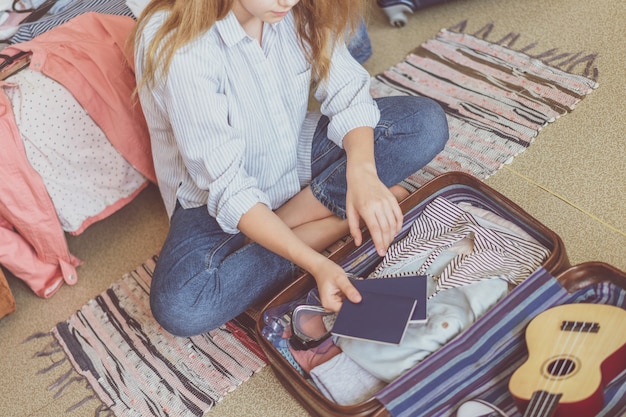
(449, 313)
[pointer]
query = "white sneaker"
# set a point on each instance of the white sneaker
(479, 408)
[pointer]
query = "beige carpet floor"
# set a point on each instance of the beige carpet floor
(573, 179)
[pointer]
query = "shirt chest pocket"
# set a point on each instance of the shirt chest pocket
(296, 96)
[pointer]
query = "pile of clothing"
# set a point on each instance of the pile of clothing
(75, 143)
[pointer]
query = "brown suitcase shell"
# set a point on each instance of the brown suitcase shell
(7, 302)
(313, 400)
(588, 273)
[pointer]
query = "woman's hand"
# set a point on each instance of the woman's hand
(334, 286)
(368, 200)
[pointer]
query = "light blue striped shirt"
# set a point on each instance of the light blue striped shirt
(229, 124)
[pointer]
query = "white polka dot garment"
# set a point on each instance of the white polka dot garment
(83, 173)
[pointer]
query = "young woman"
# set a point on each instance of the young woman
(256, 186)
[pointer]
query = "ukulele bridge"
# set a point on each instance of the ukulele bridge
(580, 326)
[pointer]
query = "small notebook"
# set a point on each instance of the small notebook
(413, 286)
(378, 318)
(384, 313)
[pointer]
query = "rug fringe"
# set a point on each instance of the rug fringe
(37, 335)
(53, 366)
(82, 402)
(63, 387)
(49, 350)
(572, 62)
(60, 380)
(103, 411)
(68, 378)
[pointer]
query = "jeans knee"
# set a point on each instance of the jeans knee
(427, 126)
(167, 314)
(180, 316)
(435, 117)
(420, 117)
(412, 131)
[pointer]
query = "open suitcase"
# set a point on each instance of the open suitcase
(478, 362)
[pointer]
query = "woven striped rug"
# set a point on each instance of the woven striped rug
(136, 369)
(496, 99)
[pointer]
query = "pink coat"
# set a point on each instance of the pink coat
(87, 56)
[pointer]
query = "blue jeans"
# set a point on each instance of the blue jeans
(205, 277)
(360, 45)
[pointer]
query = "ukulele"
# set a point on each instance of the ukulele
(574, 351)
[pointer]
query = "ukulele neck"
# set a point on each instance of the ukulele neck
(542, 404)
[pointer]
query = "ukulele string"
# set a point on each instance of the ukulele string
(543, 402)
(578, 334)
(566, 365)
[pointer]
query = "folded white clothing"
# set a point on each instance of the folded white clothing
(343, 381)
(83, 173)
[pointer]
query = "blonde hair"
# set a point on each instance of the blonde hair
(320, 23)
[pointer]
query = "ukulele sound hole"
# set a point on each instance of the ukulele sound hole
(561, 367)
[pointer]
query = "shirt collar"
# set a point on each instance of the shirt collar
(231, 31)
